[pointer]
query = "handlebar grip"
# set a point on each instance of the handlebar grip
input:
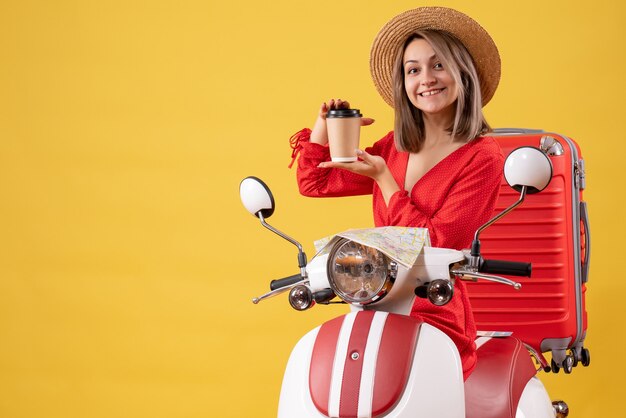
(323, 296)
(509, 268)
(286, 281)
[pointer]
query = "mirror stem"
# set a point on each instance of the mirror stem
(302, 261)
(475, 250)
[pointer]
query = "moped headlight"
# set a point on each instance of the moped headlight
(440, 292)
(359, 274)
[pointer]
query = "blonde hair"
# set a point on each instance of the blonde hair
(469, 121)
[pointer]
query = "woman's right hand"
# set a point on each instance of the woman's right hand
(319, 134)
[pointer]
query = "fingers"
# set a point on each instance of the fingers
(356, 166)
(336, 104)
(374, 160)
(368, 165)
(363, 155)
(323, 110)
(326, 107)
(342, 104)
(330, 164)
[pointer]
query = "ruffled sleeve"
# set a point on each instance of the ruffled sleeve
(323, 182)
(295, 142)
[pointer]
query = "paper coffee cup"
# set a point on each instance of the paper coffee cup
(344, 129)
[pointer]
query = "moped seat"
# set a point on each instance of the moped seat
(494, 388)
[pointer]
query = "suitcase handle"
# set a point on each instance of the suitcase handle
(521, 131)
(584, 216)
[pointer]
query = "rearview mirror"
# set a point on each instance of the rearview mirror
(256, 197)
(530, 167)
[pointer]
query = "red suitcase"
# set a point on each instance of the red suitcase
(550, 230)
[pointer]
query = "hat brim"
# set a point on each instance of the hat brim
(475, 39)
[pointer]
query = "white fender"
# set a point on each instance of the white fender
(535, 402)
(435, 387)
(295, 398)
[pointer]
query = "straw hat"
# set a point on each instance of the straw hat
(476, 39)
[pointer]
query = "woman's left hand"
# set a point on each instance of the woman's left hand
(372, 166)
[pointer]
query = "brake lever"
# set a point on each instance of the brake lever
(278, 291)
(498, 279)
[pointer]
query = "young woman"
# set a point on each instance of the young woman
(437, 169)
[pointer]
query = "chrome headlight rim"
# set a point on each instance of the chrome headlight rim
(391, 270)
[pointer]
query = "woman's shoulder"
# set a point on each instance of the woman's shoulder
(487, 145)
(487, 142)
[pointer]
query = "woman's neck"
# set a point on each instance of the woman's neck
(436, 130)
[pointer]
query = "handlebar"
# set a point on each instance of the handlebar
(285, 281)
(509, 268)
(323, 296)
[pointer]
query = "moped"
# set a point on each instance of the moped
(377, 361)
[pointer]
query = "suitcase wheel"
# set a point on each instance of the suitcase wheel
(554, 367)
(568, 363)
(585, 357)
(575, 356)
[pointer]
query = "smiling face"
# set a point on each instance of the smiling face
(435, 81)
(428, 84)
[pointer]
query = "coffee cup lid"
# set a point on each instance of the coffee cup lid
(344, 113)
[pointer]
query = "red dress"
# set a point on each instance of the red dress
(452, 200)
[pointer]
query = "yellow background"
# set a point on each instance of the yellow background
(127, 262)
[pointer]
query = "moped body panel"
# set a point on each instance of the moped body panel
(501, 376)
(534, 402)
(370, 374)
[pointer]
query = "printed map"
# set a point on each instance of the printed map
(401, 244)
